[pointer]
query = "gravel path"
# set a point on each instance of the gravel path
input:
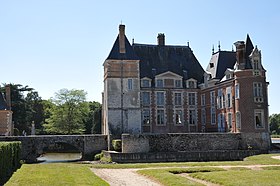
(116, 177)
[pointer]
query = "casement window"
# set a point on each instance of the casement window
(221, 122)
(146, 98)
(160, 117)
(129, 84)
(213, 116)
(160, 98)
(146, 117)
(229, 120)
(237, 96)
(212, 98)
(203, 116)
(192, 117)
(259, 118)
(177, 98)
(202, 99)
(145, 83)
(228, 97)
(192, 98)
(178, 117)
(178, 83)
(238, 120)
(159, 83)
(258, 93)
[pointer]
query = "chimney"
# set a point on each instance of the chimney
(122, 38)
(240, 54)
(161, 39)
(8, 96)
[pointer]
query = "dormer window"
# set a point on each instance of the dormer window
(159, 83)
(256, 65)
(228, 76)
(178, 83)
(145, 83)
(191, 83)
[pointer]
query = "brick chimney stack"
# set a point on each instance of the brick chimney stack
(122, 39)
(8, 96)
(240, 54)
(161, 39)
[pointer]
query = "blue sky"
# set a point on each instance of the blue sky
(54, 44)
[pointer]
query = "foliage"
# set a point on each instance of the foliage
(98, 156)
(117, 145)
(274, 122)
(55, 174)
(93, 119)
(9, 159)
(67, 117)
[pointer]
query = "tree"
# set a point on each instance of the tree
(67, 117)
(93, 120)
(274, 122)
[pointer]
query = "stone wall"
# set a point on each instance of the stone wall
(194, 142)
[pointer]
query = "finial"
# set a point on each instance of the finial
(213, 49)
(121, 22)
(188, 43)
(232, 49)
(219, 46)
(132, 40)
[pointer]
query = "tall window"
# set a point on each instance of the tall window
(238, 120)
(258, 94)
(159, 83)
(212, 98)
(202, 99)
(129, 84)
(213, 116)
(259, 118)
(220, 99)
(160, 117)
(192, 98)
(228, 97)
(203, 116)
(178, 98)
(160, 98)
(237, 91)
(146, 117)
(178, 83)
(146, 98)
(178, 117)
(192, 117)
(229, 120)
(256, 65)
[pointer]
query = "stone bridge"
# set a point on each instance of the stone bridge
(33, 146)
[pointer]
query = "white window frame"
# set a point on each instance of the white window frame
(192, 117)
(229, 120)
(238, 119)
(144, 98)
(212, 98)
(159, 83)
(192, 98)
(180, 118)
(178, 100)
(178, 83)
(160, 122)
(146, 119)
(237, 91)
(228, 97)
(213, 116)
(259, 112)
(160, 102)
(203, 100)
(145, 83)
(203, 116)
(129, 84)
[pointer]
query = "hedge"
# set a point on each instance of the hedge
(9, 159)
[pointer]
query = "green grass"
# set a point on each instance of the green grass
(54, 174)
(263, 159)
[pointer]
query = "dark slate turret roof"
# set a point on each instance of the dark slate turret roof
(115, 52)
(219, 62)
(248, 49)
(3, 104)
(165, 58)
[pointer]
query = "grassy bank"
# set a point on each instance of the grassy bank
(55, 174)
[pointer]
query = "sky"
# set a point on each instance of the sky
(54, 44)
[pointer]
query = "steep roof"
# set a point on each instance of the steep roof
(115, 52)
(156, 59)
(3, 104)
(219, 62)
(248, 49)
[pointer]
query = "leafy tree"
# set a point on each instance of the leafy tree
(274, 122)
(67, 117)
(93, 120)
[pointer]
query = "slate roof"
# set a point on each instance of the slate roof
(221, 60)
(3, 104)
(115, 54)
(155, 59)
(248, 48)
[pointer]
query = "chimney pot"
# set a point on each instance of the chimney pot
(161, 39)
(122, 38)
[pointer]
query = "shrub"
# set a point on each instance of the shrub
(117, 145)
(9, 159)
(98, 156)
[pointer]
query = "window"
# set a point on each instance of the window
(129, 84)
(178, 83)
(212, 98)
(202, 99)
(145, 83)
(146, 98)
(238, 120)
(221, 122)
(259, 118)
(192, 117)
(160, 98)
(191, 84)
(228, 97)
(213, 116)
(146, 117)
(258, 94)
(160, 117)
(178, 117)
(159, 83)
(256, 65)
(229, 120)
(237, 91)
(220, 99)
(203, 116)
(178, 98)
(228, 76)
(192, 98)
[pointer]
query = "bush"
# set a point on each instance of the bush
(98, 156)
(9, 159)
(117, 145)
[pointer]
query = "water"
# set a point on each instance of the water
(275, 140)
(52, 157)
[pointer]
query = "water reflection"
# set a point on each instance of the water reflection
(52, 157)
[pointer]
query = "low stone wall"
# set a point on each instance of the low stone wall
(195, 142)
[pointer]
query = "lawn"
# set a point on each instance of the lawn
(54, 174)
